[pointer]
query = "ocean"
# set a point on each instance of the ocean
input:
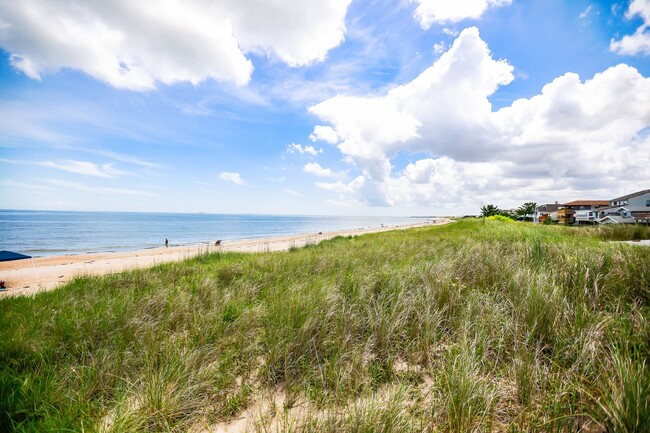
(53, 233)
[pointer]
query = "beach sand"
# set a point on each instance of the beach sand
(26, 277)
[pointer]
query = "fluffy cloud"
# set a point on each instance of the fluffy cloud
(445, 11)
(639, 42)
(574, 136)
(324, 133)
(232, 177)
(133, 45)
(316, 169)
(293, 148)
(298, 32)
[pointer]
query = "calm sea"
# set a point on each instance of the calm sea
(47, 233)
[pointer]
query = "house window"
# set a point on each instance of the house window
(647, 203)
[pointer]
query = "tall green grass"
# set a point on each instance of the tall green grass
(475, 326)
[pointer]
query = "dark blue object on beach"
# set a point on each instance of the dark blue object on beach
(6, 256)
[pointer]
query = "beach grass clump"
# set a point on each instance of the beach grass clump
(621, 232)
(478, 325)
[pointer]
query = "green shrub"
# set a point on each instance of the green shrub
(502, 218)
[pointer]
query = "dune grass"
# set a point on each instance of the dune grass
(475, 326)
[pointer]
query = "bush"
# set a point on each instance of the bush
(501, 218)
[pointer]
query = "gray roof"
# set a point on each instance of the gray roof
(547, 207)
(634, 194)
(628, 208)
(618, 219)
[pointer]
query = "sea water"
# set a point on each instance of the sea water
(47, 233)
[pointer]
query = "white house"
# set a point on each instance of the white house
(546, 209)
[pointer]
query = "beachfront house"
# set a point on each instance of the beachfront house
(628, 209)
(545, 211)
(566, 216)
(584, 211)
(636, 199)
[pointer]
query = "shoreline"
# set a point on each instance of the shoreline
(28, 277)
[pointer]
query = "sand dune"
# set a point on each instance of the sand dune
(24, 277)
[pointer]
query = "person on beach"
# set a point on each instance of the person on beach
(166, 243)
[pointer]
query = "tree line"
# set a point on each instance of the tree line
(524, 212)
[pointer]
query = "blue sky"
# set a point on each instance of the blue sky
(321, 107)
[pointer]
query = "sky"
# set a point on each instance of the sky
(321, 107)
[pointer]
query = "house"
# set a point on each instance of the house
(639, 198)
(566, 216)
(544, 211)
(620, 216)
(625, 215)
(642, 218)
(628, 209)
(585, 211)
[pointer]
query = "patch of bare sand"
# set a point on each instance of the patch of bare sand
(274, 413)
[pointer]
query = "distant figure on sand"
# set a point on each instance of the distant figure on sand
(217, 243)
(166, 243)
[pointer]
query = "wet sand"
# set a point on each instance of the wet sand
(25, 277)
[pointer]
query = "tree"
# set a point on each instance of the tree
(527, 210)
(489, 210)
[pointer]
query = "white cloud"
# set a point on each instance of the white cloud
(316, 169)
(293, 148)
(134, 45)
(441, 110)
(125, 158)
(298, 32)
(324, 133)
(292, 192)
(639, 42)
(439, 47)
(451, 11)
(574, 136)
(84, 167)
(232, 177)
(450, 32)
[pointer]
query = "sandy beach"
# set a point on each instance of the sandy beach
(25, 277)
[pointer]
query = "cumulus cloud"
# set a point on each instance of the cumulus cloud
(293, 148)
(574, 136)
(316, 169)
(442, 110)
(445, 11)
(639, 42)
(324, 133)
(232, 177)
(134, 45)
(84, 167)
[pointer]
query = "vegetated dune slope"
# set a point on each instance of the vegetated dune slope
(477, 325)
